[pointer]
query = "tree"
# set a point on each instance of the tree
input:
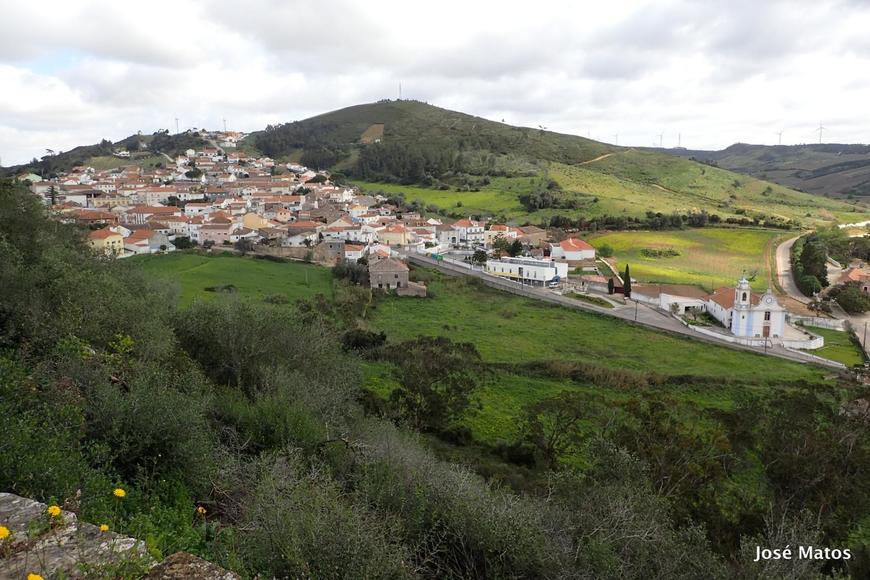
(515, 249)
(244, 246)
(626, 283)
(551, 425)
(611, 286)
(437, 380)
(479, 257)
(852, 298)
(501, 246)
(605, 251)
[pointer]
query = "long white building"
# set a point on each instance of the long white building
(528, 270)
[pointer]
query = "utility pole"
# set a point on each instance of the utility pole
(635, 309)
(821, 129)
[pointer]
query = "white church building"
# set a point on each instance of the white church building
(747, 313)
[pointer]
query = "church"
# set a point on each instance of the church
(747, 313)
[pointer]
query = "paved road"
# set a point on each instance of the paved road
(633, 311)
(783, 271)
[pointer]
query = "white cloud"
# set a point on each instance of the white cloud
(72, 73)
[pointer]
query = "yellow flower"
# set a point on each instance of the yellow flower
(34, 577)
(104, 527)
(53, 511)
(200, 510)
(4, 532)
(119, 492)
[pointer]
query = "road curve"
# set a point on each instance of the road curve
(783, 271)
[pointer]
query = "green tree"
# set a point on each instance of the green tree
(626, 282)
(551, 425)
(479, 257)
(437, 380)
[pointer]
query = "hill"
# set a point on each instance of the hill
(143, 149)
(830, 169)
(448, 160)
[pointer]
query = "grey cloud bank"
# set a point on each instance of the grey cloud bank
(714, 72)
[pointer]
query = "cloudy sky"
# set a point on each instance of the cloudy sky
(709, 71)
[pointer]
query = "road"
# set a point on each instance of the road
(783, 271)
(632, 311)
(783, 267)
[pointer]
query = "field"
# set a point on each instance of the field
(464, 311)
(251, 277)
(103, 162)
(707, 256)
(500, 197)
(838, 346)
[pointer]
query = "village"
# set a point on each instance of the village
(218, 198)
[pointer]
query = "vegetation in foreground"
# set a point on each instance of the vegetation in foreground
(250, 410)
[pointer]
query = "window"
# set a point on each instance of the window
(767, 315)
(744, 296)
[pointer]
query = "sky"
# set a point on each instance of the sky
(702, 73)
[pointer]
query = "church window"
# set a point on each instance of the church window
(767, 315)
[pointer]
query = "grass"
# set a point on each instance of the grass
(708, 256)
(509, 330)
(464, 311)
(252, 278)
(500, 197)
(838, 346)
(591, 299)
(104, 162)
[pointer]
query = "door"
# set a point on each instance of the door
(766, 332)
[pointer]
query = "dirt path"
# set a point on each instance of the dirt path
(599, 158)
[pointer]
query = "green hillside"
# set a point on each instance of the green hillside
(829, 169)
(452, 160)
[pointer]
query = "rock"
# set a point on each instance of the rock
(182, 565)
(72, 549)
(68, 548)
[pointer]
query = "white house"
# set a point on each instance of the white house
(572, 250)
(466, 231)
(528, 270)
(747, 313)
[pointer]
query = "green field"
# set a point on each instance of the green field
(251, 277)
(707, 256)
(464, 311)
(838, 346)
(500, 197)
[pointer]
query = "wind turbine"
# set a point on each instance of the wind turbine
(176, 125)
(821, 129)
(780, 137)
(616, 139)
(661, 137)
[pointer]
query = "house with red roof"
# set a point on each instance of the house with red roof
(572, 250)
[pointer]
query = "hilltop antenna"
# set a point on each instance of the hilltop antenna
(821, 129)
(176, 125)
